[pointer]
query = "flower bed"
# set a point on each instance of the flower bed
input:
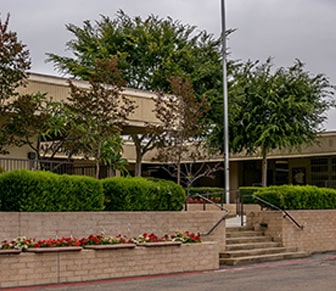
(181, 237)
(191, 200)
(73, 243)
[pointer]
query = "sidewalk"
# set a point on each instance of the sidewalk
(235, 221)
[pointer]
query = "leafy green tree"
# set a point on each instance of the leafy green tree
(149, 51)
(39, 122)
(277, 108)
(98, 115)
(14, 63)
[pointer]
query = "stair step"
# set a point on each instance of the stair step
(256, 252)
(238, 228)
(262, 258)
(249, 239)
(253, 245)
(245, 233)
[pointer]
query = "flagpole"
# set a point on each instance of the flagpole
(225, 107)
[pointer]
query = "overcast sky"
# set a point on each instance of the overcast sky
(282, 29)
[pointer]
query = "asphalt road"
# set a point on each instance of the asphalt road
(317, 272)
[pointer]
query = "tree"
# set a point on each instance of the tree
(149, 51)
(277, 108)
(143, 142)
(181, 129)
(14, 62)
(98, 114)
(192, 171)
(39, 122)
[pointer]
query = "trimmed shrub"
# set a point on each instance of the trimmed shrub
(23, 190)
(86, 193)
(140, 194)
(298, 197)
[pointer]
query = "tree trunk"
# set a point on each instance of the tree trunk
(178, 173)
(138, 155)
(97, 169)
(264, 170)
(138, 160)
(97, 160)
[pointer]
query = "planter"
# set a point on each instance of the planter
(160, 244)
(53, 249)
(110, 247)
(10, 252)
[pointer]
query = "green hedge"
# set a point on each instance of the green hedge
(298, 197)
(140, 194)
(23, 190)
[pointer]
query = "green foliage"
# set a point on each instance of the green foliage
(14, 62)
(35, 119)
(149, 52)
(98, 115)
(139, 194)
(298, 197)
(278, 108)
(23, 190)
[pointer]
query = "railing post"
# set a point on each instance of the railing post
(241, 210)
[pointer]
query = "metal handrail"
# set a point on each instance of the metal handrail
(216, 224)
(216, 204)
(210, 201)
(285, 213)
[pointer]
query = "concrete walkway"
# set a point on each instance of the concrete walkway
(235, 221)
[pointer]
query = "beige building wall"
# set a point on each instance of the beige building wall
(57, 88)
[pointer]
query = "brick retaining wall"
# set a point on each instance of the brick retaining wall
(27, 269)
(33, 269)
(43, 225)
(318, 234)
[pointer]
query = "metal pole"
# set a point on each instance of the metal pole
(225, 107)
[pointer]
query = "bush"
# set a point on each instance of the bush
(298, 197)
(140, 194)
(23, 190)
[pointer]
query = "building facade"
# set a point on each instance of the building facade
(315, 165)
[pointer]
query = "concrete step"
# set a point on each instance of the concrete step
(256, 252)
(246, 246)
(246, 233)
(248, 239)
(238, 228)
(253, 245)
(262, 258)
